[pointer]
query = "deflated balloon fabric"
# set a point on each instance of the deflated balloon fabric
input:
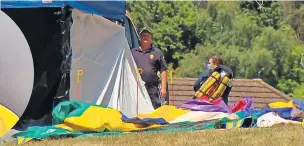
(289, 110)
(297, 115)
(80, 116)
(299, 104)
(206, 99)
(280, 104)
(196, 116)
(36, 132)
(70, 109)
(271, 118)
(202, 105)
(162, 115)
(99, 119)
(232, 121)
(244, 104)
(79, 119)
(282, 112)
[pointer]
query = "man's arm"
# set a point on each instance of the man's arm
(164, 79)
(163, 70)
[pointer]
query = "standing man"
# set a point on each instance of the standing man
(150, 60)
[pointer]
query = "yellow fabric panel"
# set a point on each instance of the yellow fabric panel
(234, 124)
(64, 126)
(167, 112)
(238, 124)
(7, 120)
(98, 119)
(229, 125)
(280, 104)
(22, 140)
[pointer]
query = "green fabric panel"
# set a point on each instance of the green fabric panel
(102, 134)
(68, 109)
(240, 115)
(165, 129)
(51, 131)
(42, 132)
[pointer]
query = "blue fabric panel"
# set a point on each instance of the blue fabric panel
(110, 9)
(144, 120)
(299, 104)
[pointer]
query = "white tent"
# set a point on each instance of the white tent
(102, 55)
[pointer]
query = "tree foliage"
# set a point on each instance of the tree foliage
(257, 40)
(172, 23)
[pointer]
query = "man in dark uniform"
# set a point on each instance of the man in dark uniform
(150, 60)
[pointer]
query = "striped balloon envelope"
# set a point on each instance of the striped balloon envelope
(16, 73)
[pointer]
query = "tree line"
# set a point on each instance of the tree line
(256, 39)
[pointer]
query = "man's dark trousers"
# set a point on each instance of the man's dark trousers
(153, 92)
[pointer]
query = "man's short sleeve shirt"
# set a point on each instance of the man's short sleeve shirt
(150, 61)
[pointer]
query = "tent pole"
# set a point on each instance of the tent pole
(138, 72)
(171, 82)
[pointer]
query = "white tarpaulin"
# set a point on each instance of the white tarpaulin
(16, 73)
(270, 119)
(100, 50)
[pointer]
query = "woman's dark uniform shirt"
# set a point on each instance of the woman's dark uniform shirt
(207, 73)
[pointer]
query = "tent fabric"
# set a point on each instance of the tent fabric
(110, 9)
(101, 52)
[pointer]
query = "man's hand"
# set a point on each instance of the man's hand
(163, 92)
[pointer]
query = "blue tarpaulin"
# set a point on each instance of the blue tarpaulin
(110, 9)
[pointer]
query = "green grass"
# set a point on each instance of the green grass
(277, 136)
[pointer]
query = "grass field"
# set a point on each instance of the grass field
(277, 136)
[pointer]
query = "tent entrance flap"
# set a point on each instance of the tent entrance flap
(102, 54)
(43, 31)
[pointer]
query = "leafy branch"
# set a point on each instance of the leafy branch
(261, 7)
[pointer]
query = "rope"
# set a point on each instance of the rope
(171, 82)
